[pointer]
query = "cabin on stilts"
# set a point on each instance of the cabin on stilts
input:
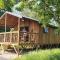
(21, 30)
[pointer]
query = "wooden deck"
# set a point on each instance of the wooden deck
(12, 38)
(9, 37)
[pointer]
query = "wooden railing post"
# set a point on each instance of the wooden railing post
(11, 37)
(18, 34)
(18, 29)
(5, 28)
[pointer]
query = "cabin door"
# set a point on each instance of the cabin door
(24, 37)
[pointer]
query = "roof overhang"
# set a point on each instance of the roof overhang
(13, 17)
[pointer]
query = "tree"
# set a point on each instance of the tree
(1, 4)
(6, 5)
(44, 10)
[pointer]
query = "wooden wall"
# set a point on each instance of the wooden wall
(35, 27)
(38, 35)
(49, 38)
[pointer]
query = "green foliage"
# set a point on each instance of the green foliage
(21, 6)
(44, 10)
(52, 54)
(1, 4)
(6, 5)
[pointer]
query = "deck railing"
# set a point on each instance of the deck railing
(42, 39)
(10, 37)
(29, 37)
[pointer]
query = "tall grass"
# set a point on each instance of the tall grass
(50, 54)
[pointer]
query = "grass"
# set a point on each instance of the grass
(50, 54)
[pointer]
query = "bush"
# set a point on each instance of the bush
(51, 54)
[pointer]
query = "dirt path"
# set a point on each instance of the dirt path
(7, 56)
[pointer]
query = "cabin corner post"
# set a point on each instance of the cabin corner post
(5, 27)
(18, 29)
(18, 34)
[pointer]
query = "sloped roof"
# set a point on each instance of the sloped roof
(21, 16)
(18, 15)
(10, 14)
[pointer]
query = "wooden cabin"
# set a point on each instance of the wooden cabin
(19, 30)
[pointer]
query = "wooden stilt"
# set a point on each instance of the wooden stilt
(2, 49)
(15, 49)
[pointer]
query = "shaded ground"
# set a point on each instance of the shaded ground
(7, 56)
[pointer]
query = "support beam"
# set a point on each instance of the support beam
(2, 47)
(11, 37)
(18, 34)
(18, 29)
(5, 27)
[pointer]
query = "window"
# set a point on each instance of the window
(45, 30)
(24, 29)
(24, 33)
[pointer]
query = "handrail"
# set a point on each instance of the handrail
(9, 32)
(7, 36)
(11, 37)
(31, 32)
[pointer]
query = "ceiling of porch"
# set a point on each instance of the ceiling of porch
(11, 20)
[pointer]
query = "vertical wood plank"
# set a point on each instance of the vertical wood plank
(5, 27)
(18, 29)
(10, 37)
(18, 35)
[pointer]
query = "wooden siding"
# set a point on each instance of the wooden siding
(38, 36)
(35, 33)
(49, 38)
